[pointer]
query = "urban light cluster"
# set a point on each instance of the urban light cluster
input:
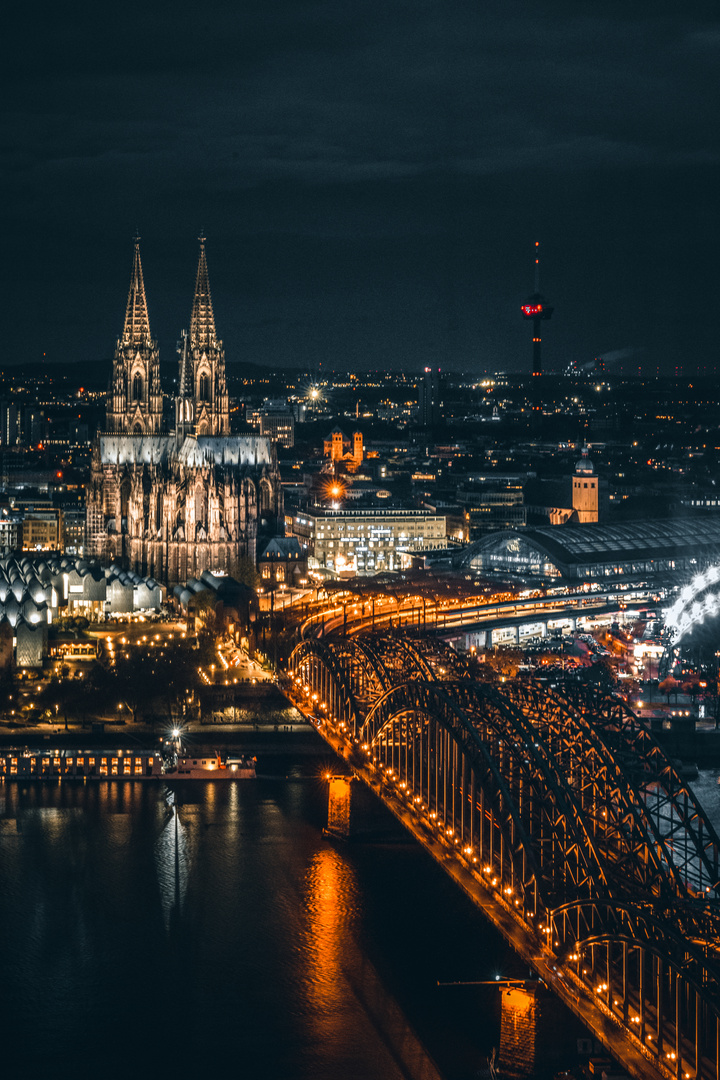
(688, 610)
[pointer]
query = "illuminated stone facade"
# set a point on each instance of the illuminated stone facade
(585, 492)
(171, 505)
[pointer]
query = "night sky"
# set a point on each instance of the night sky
(371, 177)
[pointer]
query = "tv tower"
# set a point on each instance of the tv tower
(536, 308)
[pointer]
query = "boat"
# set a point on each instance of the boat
(26, 764)
(213, 766)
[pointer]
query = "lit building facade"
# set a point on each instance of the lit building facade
(585, 491)
(278, 426)
(172, 505)
(365, 541)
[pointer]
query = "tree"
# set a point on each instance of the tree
(63, 696)
(246, 572)
(690, 688)
(504, 663)
(669, 686)
(131, 682)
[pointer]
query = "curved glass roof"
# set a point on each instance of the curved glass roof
(569, 545)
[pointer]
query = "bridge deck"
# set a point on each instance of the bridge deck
(605, 1023)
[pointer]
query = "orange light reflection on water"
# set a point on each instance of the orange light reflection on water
(331, 907)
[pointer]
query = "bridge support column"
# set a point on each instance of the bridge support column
(519, 1021)
(339, 806)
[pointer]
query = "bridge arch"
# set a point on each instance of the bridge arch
(557, 824)
(642, 803)
(563, 807)
(322, 678)
(676, 825)
(662, 984)
(426, 746)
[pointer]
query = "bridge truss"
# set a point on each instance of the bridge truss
(597, 860)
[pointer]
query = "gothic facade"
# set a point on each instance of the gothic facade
(171, 504)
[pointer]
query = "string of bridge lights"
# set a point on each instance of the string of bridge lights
(688, 610)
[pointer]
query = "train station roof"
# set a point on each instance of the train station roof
(630, 549)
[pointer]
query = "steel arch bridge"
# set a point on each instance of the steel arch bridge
(560, 813)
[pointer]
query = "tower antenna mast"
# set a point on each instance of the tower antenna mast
(536, 309)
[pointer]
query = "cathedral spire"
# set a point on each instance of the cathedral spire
(135, 402)
(202, 320)
(137, 324)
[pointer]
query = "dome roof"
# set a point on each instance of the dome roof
(584, 465)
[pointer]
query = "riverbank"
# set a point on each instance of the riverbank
(264, 723)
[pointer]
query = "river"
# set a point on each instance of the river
(212, 928)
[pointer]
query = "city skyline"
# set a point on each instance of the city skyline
(371, 182)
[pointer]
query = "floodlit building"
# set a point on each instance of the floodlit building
(585, 493)
(173, 505)
(365, 541)
(339, 448)
(283, 562)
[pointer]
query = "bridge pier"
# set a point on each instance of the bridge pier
(519, 1017)
(339, 806)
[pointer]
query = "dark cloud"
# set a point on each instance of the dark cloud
(371, 176)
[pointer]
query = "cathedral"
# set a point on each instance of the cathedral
(171, 504)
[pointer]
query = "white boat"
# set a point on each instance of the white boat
(213, 766)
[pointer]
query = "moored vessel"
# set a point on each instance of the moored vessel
(214, 766)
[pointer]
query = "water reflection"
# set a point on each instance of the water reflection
(330, 905)
(172, 861)
(133, 908)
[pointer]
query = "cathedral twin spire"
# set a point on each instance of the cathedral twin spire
(137, 323)
(135, 402)
(202, 320)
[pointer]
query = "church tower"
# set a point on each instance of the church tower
(585, 493)
(202, 403)
(135, 403)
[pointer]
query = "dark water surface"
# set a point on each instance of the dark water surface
(213, 929)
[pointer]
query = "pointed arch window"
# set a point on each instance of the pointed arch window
(204, 393)
(137, 387)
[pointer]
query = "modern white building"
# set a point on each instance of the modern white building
(364, 541)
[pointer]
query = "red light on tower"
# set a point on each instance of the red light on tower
(537, 309)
